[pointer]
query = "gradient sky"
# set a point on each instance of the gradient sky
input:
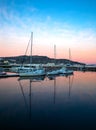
(65, 23)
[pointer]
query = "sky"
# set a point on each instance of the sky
(64, 23)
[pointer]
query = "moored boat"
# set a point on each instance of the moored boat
(64, 70)
(38, 71)
(2, 72)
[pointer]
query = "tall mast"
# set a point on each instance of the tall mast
(31, 47)
(69, 56)
(55, 53)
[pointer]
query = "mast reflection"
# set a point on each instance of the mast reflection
(70, 77)
(30, 79)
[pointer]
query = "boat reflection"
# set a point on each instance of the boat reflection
(28, 103)
(68, 77)
(33, 79)
(52, 77)
(55, 95)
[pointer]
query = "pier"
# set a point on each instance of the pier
(83, 68)
(9, 75)
(48, 67)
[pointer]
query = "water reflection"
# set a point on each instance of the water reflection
(69, 77)
(51, 77)
(33, 79)
(62, 102)
(30, 80)
(70, 83)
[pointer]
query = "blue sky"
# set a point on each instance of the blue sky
(79, 12)
(66, 23)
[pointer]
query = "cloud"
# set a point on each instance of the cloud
(15, 31)
(32, 9)
(48, 18)
(51, 31)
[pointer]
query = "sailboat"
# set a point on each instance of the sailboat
(32, 71)
(65, 70)
(2, 72)
(53, 72)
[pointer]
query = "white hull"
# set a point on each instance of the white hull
(65, 71)
(55, 72)
(19, 69)
(2, 72)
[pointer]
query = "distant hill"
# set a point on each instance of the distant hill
(38, 60)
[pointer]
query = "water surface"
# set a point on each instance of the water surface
(62, 102)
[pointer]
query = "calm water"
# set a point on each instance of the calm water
(53, 103)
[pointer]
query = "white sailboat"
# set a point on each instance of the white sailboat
(2, 72)
(64, 70)
(32, 71)
(53, 72)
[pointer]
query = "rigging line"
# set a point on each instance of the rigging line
(27, 46)
(26, 51)
(23, 95)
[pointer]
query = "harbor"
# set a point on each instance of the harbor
(47, 64)
(27, 67)
(47, 68)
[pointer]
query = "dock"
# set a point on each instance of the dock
(51, 67)
(83, 68)
(9, 75)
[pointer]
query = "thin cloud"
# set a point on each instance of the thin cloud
(33, 9)
(16, 32)
(48, 18)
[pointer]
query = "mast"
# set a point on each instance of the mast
(31, 48)
(69, 56)
(55, 53)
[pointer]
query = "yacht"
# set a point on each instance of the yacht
(38, 71)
